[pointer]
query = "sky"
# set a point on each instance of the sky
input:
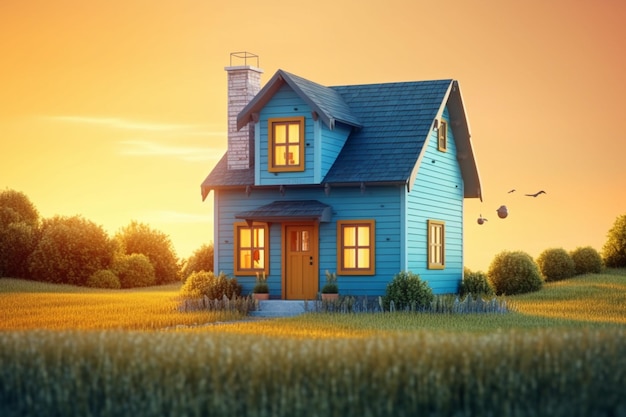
(116, 110)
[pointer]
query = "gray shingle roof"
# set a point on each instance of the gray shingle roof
(325, 101)
(288, 210)
(396, 118)
(222, 177)
(390, 121)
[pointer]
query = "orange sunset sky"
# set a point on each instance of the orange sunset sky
(116, 110)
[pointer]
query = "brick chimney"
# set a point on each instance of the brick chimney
(244, 82)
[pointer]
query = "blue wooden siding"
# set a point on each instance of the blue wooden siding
(379, 203)
(285, 103)
(321, 145)
(332, 142)
(437, 194)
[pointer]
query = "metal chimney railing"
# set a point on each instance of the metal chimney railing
(245, 56)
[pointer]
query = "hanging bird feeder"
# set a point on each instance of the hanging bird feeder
(503, 212)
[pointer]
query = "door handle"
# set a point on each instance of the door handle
(310, 260)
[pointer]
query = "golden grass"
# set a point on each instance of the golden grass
(591, 298)
(594, 299)
(27, 305)
(527, 362)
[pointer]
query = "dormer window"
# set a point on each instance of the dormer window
(443, 136)
(286, 144)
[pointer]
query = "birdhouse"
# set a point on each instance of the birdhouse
(503, 212)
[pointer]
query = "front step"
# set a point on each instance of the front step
(279, 308)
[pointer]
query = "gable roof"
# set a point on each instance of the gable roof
(396, 114)
(324, 101)
(392, 123)
(397, 120)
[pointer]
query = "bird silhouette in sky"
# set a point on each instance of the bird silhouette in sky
(536, 194)
(511, 191)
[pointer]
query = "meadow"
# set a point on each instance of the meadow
(560, 351)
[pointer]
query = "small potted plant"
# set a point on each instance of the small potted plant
(330, 290)
(261, 290)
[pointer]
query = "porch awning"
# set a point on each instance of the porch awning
(280, 211)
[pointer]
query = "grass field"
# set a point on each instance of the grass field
(561, 352)
(26, 305)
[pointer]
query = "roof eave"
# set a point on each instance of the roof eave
(249, 112)
(465, 151)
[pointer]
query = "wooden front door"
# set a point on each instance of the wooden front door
(301, 263)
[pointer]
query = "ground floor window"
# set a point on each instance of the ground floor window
(356, 247)
(436, 244)
(251, 248)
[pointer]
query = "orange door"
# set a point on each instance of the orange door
(301, 263)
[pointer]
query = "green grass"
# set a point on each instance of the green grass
(531, 361)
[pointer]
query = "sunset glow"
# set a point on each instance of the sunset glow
(117, 110)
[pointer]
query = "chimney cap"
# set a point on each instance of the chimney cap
(245, 56)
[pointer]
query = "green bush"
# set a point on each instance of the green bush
(514, 273)
(134, 270)
(407, 291)
(331, 286)
(556, 264)
(157, 246)
(206, 284)
(614, 250)
(586, 260)
(201, 260)
(104, 278)
(70, 250)
(475, 283)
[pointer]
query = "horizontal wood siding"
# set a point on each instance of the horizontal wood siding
(285, 103)
(332, 142)
(230, 203)
(379, 203)
(437, 194)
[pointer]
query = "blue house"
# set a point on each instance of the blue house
(362, 180)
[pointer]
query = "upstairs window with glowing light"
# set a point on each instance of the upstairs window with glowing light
(436, 244)
(286, 144)
(442, 143)
(251, 249)
(356, 247)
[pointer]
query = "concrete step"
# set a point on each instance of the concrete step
(279, 308)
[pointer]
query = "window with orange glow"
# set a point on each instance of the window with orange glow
(251, 249)
(286, 144)
(443, 136)
(436, 244)
(356, 247)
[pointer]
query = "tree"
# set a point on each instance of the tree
(17, 242)
(201, 260)
(16, 207)
(19, 221)
(614, 250)
(70, 250)
(157, 246)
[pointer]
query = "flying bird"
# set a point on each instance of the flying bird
(536, 194)
(511, 191)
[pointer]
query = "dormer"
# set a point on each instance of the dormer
(299, 129)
